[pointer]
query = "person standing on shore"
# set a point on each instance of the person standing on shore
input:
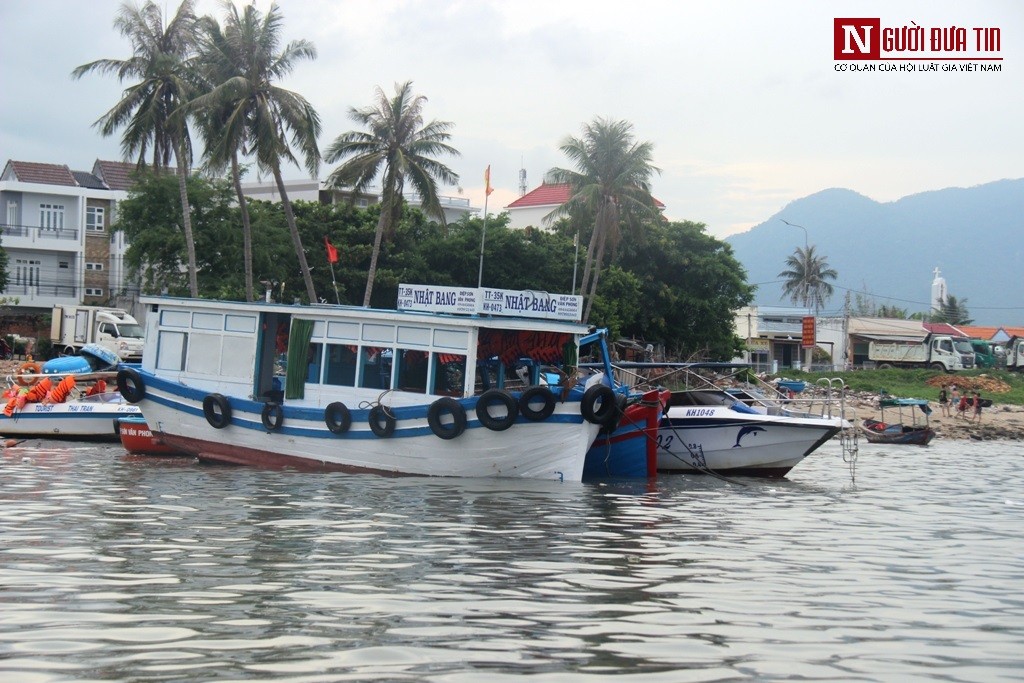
(944, 401)
(977, 407)
(954, 395)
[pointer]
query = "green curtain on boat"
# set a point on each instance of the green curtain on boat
(298, 358)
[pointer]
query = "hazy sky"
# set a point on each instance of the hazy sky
(741, 99)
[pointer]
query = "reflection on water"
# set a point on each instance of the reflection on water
(115, 568)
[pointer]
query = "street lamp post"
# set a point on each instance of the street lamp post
(810, 351)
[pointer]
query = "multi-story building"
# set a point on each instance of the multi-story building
(56, 232)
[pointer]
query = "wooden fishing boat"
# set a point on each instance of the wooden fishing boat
(428, 389)
(902, 431)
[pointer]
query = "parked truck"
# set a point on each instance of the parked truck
(112, 328)
(1015, 354)
(984, 354)
(938, 352)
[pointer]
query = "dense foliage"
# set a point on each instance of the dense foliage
(670, 283)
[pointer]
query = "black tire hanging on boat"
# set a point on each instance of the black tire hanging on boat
(217, 410)
(620, 410)
(272, 416)
(494, 397)
(130, 384)
(337, 417)
(532, 394)
(598, 405)
(382, 422)
(437, 410)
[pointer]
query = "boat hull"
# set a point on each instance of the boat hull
(138, 439)
(552, 448)
(89, 418)
(723, 441)
(631, 450)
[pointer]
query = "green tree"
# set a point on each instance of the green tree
(399, 147)
(149, 219)
(806, 278)
(151, 111)
(691, 285)
(952, 311)
(248, 113)
(611, 183)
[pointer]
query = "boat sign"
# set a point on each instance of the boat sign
(505, 302)
(437, 299)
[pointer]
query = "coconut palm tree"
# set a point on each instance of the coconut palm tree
(805, 280)
(249, 114)
(399, 148)
(151, 111)
(952, 311)
(611, 184)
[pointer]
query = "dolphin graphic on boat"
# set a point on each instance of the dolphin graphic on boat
(750, 429)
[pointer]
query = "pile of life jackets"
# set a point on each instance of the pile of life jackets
(45, 391)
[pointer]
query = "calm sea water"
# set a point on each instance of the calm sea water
(118, 568)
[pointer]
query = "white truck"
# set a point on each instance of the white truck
(73, 327)
(1015, 354)
(938, 352)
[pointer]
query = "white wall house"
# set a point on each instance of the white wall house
(56, 231)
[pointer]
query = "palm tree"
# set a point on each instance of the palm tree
(805, 279)
(247, 113)
(151, 111)
(952, 311)
(611, 183)
(400, 148)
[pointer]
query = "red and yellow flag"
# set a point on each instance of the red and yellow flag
(487, 182)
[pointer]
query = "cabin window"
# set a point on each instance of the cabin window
(314, 363)
(340, 365)
(412, 368)
(170, 350)
(449, 374)
(375, 367)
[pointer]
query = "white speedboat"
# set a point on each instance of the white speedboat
(87, 417)
(713, 431)
(430, 389)
(67, 397)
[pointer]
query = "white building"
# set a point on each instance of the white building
(56, 232)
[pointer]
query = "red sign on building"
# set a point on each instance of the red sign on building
(808, 335)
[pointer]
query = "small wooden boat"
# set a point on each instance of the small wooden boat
(902, 431)
(877, 431)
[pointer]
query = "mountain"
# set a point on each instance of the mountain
(975, 236)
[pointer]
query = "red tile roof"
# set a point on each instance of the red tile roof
(45, 174)
(116, 174)
(554, 194)
(545, 195)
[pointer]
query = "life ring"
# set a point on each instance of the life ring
(337, 417)
(531, 395)
(382, 422)
(29, 368)
(272, 416)
(598, 405)
(217, 411)
(130, 384)
(446, 405)
(495, 397)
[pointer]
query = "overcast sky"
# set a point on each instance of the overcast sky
(740, 99)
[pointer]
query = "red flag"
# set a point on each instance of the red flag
(487, 182)
(332, 253)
